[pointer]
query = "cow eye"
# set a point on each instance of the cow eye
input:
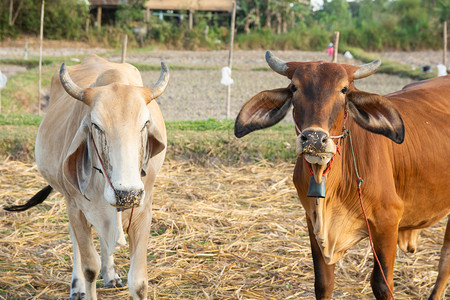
(96, 127)
(145, 125)
(293, 88)
(344, 90)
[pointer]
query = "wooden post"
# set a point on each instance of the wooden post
(25, 51)
(191, 19)
(124, 47)
(87, 25)
(147, 15)
(444, 58)
(336, 46)
(10, 12)
(230, 57)
(40, 55)
(99, 17)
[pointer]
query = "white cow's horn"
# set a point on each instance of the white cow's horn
(71, 88)
(275, 63)
(367, 69)
(160, 86)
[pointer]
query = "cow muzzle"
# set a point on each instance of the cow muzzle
(318, 149)
(128, 198)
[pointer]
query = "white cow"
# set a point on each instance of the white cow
(101, 145)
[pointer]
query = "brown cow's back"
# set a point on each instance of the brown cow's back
(421, 163)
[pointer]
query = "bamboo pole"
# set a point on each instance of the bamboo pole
(10, 12)
(25, 51)
(99, 17)
(191, 19)
(230, 57)
(40, 55)
(444, 58)
(335, 47)
(124, 47)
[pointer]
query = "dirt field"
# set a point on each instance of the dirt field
(196, 93)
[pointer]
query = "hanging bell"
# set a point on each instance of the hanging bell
(315, 189)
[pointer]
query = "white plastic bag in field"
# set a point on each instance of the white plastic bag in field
(226, 76)
(3, 80)
(347, 54)
(442, 70)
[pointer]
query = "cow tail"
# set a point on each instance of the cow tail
(35, 200)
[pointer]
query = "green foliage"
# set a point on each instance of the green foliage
(62, 18)
(401, 24)
(129, 13)
(275, 24)
(443, 10)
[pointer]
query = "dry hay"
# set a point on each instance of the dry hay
(218, 233)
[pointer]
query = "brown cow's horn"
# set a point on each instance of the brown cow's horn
(71, 88)
(160, 86)
(367, 69)
(275, 63)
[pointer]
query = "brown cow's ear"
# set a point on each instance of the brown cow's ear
(376, 114)
(263, 110)
(77, 166)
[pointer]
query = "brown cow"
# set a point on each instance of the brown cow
(405, 175)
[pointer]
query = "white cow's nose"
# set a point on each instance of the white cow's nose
(128, 198)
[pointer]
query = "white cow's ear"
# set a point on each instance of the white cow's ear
(155, 144)
(263, 110)
(77, 166)
(376, 114)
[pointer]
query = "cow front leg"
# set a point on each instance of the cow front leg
(90, 261)
(385, 245)
(108, 269)
(139, 232)
(77, 285)
(323, 273)
(444, 266)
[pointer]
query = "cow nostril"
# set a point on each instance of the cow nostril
(324, 140)
(303, 138)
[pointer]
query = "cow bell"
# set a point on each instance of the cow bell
(316, 190)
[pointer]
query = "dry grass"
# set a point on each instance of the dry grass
(219, 232)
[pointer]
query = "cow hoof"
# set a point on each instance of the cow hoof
(115, 283)
(77, 296)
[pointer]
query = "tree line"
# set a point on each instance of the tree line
(278, 24)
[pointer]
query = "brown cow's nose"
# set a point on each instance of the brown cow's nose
(128, 199)
(314, 141)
